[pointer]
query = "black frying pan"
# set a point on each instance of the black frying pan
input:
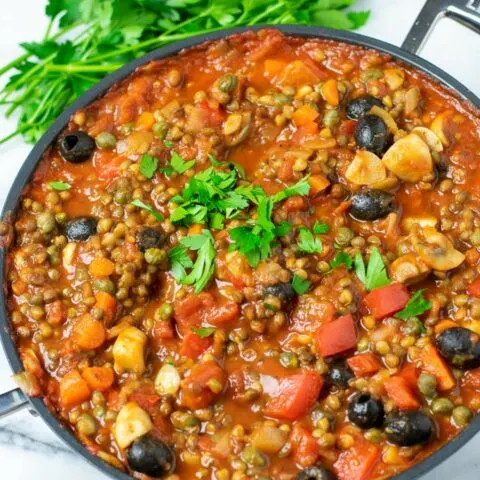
(464, 11)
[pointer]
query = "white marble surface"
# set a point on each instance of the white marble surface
(27, 448)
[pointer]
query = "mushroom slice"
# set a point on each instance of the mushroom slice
(132, 422)
(366, 169)
(438, 126)
(410, 223)
(408, 269)
(409, 159)
(386, 117)
(429, 138)
(436, 250)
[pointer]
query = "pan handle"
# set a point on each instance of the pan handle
(466, 12)
(12, 401)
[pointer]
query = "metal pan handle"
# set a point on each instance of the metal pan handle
(466, 12)
(12, 401)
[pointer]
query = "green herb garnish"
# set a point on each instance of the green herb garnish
(138, 203)
(342, 258)
(203, 332)
(417, 305)
(300, 188)
(320, 228)
(202, 269)
(300, 285)
(60, 186)
(148, 166)
(179, 165)
(307, 242)
(375, 275)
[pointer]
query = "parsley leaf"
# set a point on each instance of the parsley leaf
(203, 332)
(203, 267)
(375, 275)
(417, 305)
(168, 143)
(148, 166)
(300, 285)
(214, 161)
(300, 188)
(307, 242)
(138, 203)
(179, 165)
(319, 228)
(60, 186)
(283, 229)
(342, 258)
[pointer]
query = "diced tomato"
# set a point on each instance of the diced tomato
(337, 336)
(310, 314)
(305, 446)
(193, 345)
(146, 397)
(224, 314)
(294, 204)
(215, 117)
(386, 301)
(357, 462)
(431, 362)
(295, 396)
(400, 393)
(474, 288)
(285, 171)
(364, 364)
(163, 330)
(55, 313)
(410, 373)
(107, 164)
(199, 388)
(471, 379)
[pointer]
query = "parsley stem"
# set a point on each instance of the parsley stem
(76, 67)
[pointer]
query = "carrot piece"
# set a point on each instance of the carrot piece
(304, 115)
(474, 288)
(101, 267)
(385, 301)
(55, 313)
(400, 393)
(108, 303)
(432, 363)
(193, 345)
(337, 336)
(410, 374)
(296, 395)
(318, 183)
(305, 446)
(444, 325)
(99, 378)
(199, 388)
(73, 389)
(195, 229)
(19, 287)
(357, 462)
(88, 333)
(364, 364)
(272, 67)
(145, 121)
(330, 92)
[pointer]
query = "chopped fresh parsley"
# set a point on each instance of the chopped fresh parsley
(342, 258)
(202, 269)
(417, 305)
(214, 161)
(307, 242)
(138, 203)
(283, 229)
(320, 228)
(203, 332)
(148, 166)
(179, 165)
(60, 186)
(300, 285)
(375, 275)
(168, 143)
(300, 188)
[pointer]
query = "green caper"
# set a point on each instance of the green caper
(442, 406)
(86, 424)
(427, 384)
(61, 217)
(251, 456)
(183, 420)
(106, 140)
(281, 99)
(413, 327)
(122, 196)
(104, 285)
(163, 312)
(127, 128)
(155, 256)
(46, 222)
(344, 235)
(289, 360)
(373, 435)
(227, 83)
(331, 118)
(160, 129)
(371, 74)
(462, 415)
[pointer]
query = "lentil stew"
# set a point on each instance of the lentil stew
(257, 259)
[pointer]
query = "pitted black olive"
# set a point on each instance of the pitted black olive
(80, 229)
(339, 374)
(371, 204)
(151, 457)
(409, 428)
(371, 133)
(76, 147)
(365, 411)
(284, 291)
(150, 238)
(316, 472)
(460, 346)
(360, 106)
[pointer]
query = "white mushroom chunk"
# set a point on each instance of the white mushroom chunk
(129, 351)
(409, 159)
(438, 127)
(132, 422)
(409, 223)
(430, 138)
(366, 169)
(436, 250)
(167, 381)
(408, 269)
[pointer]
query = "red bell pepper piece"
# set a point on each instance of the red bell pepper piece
(364, 364)
(400, 393)
(337, 336)
(305, 446)
(357, 462)
(193, 345)
(386, 301)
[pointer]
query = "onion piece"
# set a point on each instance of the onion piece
(386, 117)
(430, 138)
(27, 383)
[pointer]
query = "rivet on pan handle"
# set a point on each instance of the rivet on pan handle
(12, 401)
(466, 12)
